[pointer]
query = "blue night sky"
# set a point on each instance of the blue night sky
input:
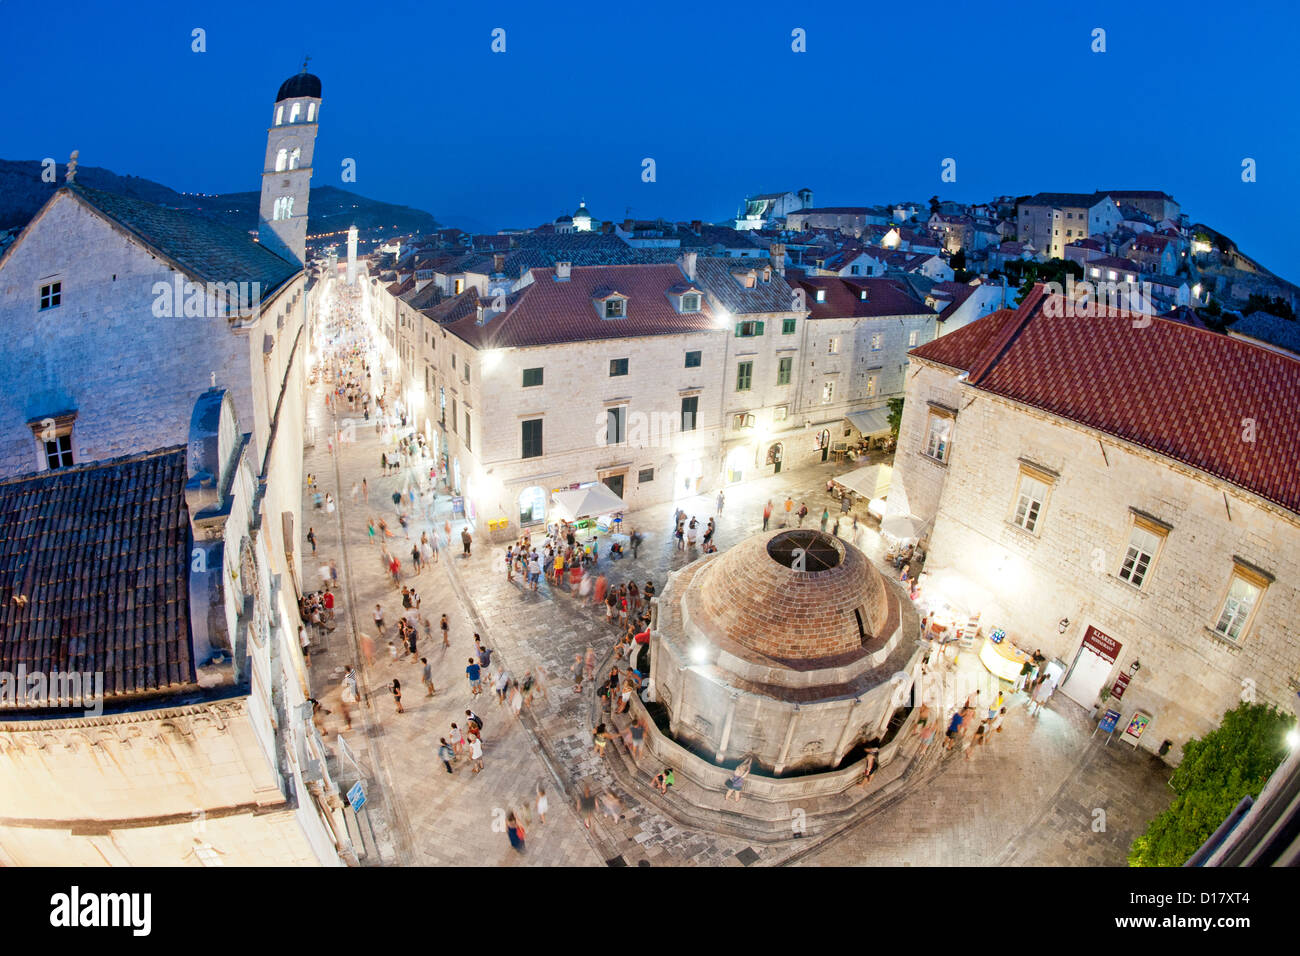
(586, 90)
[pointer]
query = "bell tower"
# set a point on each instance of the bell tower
(286, 174)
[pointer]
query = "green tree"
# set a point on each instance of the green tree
(895, 416)
(1230, 762)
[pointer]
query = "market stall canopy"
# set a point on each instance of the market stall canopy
(869, 481)
(901, 527)
(873, 421)
(597, 499)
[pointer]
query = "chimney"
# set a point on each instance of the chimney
(695, 226)
(607, 228)
(688, 265)
(562, 271)
(628, 224)
(499, 263)
(777, 256)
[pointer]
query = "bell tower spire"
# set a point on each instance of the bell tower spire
(286, 174)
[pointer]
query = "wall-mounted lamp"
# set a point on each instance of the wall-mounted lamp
(1064, 623)
(1134, 667)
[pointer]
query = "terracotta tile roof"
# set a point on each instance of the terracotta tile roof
(1071, 200)
(453, 308)
(1173, 389)
(550, 312)
(207, 250)
(718, 277)
(844, 299)
(101, 552)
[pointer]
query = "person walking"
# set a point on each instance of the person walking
(426, 675)
(474, 673)
(465, 540)
(379, 620)
(789, 509)
(457, 740)
(586, 805)
(515, 831)
(415, 558)
(721, 501)
(365, 491)
(803, 513)
(397, 695)
(954, 728)
(446, 631)
(445, 753)
(826, 517)
(542, 804)
(476, 752)
(767, 513)
(311, 539)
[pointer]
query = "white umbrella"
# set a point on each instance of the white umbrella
(597, 499)
(901, 527)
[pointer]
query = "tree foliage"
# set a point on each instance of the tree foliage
(895, 416)
(1228, 763)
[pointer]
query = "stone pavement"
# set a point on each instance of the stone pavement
(1028, 799)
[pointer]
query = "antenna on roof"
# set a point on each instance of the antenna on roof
(72, 166)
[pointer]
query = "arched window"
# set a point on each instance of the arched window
(295, 158)
(293, 112)
(281, 160)
(311, 112)
(279, 116)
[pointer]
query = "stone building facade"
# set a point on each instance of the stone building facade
(1167, 530)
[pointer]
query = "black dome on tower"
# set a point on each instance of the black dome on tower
(299, 85)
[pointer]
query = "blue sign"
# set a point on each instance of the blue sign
(357, 796)
(1109, 721)
(998, 636)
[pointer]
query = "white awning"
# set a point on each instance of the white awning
(873, 421)
(869, 481)
(598, 499)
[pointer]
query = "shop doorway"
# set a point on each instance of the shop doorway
(774, 455)
(1092, 665)
(615, 483)
(456, 474)
(736, 464)
(824, 443)
(690, 473)
(532, 506)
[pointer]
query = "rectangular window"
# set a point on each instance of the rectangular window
(744, 376)
(747, 330)
(532, 376)
(787, 326)
(741, 421)
(828, 392)
(532, 436)
(617, 367)
(690, 302)
(453, 360)
(455, 415)
(877, 341)
(51, 296)
(693, 359)
(690, 409)
(459, 286)
(780, 413)
(821, 295)
(938, 441)
(1244, 591)
(1143, 544)
(616, 425)
(613, 308)
(783, 369)
(645, 474)
(58, 452)
(912, 337)
(468, 444)
(833, 345)
(1031, 494)
(465, 368)
(871, 385)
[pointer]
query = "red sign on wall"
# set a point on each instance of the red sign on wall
(1121, 684)
(1101, 644)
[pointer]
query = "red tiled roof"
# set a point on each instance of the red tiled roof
(1178, 391)
(962, 348)
(547, 312)
(844, 299)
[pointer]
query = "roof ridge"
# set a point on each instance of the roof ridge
(998, 347)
